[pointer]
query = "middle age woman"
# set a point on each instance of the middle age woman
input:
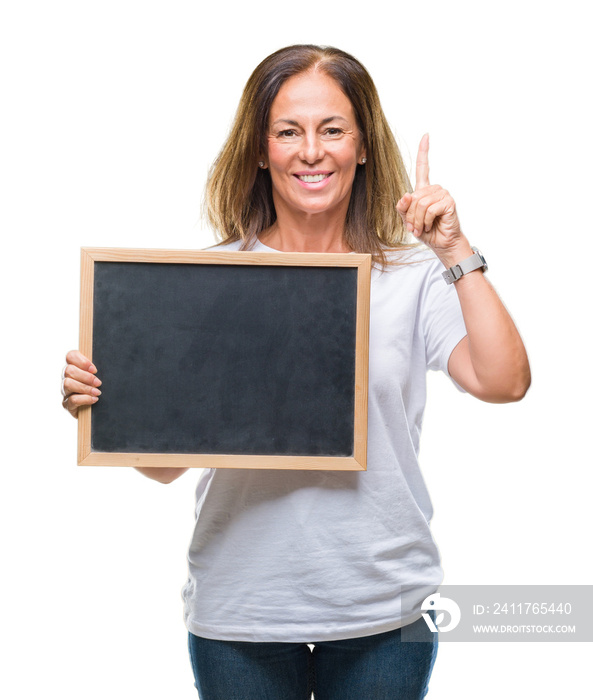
(340, 560)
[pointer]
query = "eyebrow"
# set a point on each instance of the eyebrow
(323, 121)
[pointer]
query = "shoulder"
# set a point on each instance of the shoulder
(225, 246)
(414, 276)
(419, 262)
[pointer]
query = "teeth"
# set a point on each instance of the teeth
(312, 178)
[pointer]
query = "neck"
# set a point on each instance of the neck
(307, 233)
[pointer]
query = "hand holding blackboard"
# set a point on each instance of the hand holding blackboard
(80, 384)
(80, 388)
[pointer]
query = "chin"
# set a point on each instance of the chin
(321, 206)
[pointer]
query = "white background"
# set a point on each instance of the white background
(111, 115)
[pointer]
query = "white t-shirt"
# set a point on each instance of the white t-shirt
(306, 556)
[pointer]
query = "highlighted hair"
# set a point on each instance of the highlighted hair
(239, 202)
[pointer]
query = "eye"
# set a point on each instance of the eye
(287, 133)
(333, 131)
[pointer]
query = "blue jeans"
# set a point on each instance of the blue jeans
(379, 667)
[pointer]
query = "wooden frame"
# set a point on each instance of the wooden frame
(362, 262)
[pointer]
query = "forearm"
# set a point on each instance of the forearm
(492, 364)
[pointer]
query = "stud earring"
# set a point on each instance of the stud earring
(261, 164)
(363, 161)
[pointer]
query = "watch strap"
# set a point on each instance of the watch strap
(474, 262)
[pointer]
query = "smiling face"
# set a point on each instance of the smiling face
(314, 146)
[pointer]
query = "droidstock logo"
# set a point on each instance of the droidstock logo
(437, 603)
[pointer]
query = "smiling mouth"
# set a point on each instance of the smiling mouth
(313, 178)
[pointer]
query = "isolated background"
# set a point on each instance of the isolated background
(111, 114)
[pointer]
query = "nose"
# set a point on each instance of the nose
(311, 148)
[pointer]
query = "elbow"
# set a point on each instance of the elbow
(521, 384)
(502, 386)
(514, 379)
(518, 392)
(513, 391)
(523, 389)
(164, 475)
(526, 389)
(165, 479)
(169, 475)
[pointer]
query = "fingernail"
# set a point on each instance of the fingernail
(94, 399)
(416, 233)
(409, 227)
(92, 368)
(96, 392)
(97, 381)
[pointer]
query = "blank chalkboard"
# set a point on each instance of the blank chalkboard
(226, 359)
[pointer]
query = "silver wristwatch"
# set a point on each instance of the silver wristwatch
(474, 262)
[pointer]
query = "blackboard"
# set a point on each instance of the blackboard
(225, 359)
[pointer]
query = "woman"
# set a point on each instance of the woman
(338, 560)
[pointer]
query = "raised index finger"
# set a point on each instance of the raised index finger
(422, 164)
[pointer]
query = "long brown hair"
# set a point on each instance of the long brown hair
(239, 202)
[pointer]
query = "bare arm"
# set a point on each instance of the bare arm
(490, 362)
(164, 475)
